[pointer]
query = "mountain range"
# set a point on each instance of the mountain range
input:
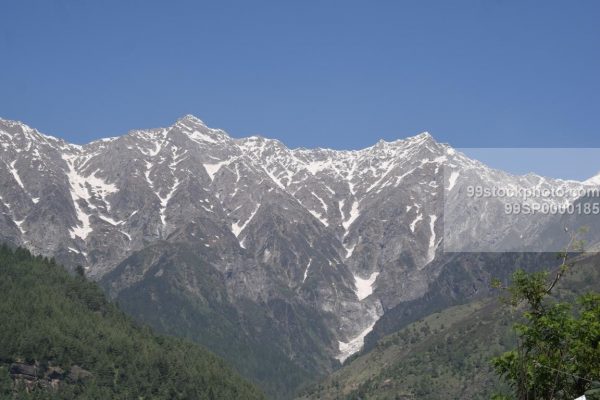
(283, 261)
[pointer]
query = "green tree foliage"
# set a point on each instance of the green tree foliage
(54, 320)
(558, 343)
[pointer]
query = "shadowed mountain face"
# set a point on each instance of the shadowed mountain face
(255, 250)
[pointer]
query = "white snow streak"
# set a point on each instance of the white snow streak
(432, 246)
(237, 228)
(78, 191)
(354, 213)
(198, 136)
(15, 174)
(149, 166)
(452, 179)
(18, 223)
(354, 345)
(341, 207)
(319, 217)
(388, 168)
(306, 270)
(164, 201)
(321, 200)
(110, 220)
(414, 223)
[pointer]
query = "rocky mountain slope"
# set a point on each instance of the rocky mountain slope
(292, 254)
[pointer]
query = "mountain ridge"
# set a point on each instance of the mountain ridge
(195, 120)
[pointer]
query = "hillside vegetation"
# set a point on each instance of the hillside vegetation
(446, 355)
(60, 338)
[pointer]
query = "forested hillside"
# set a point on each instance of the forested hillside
(60, 338)
(446, 355)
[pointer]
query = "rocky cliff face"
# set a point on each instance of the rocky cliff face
(308, 248)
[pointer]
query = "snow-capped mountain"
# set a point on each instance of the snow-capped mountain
(338, 237)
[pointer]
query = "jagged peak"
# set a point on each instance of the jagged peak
(29, 133)
(423, 135)
(420, 138)
(198, 131)
(13, 123)
(259, 140)
(189, 118)
(253, 138)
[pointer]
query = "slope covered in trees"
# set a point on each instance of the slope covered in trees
(60, 338)
(448, 354)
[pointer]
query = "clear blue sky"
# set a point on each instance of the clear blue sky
(339, 74)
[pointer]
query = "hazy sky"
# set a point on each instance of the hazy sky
(564, 163)
(339, 74)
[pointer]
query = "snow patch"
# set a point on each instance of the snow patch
(364, 287)
(212, 169)
(349, 249)
(19, 224)
(100, 187)
(80, 191)
(317, 166)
